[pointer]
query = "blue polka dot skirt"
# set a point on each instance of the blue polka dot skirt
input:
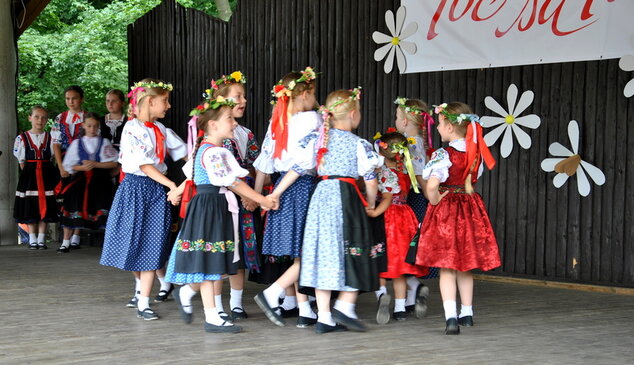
(138, 226)
(284, 228)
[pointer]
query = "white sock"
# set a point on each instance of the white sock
(325, 318)
(75, 239)
(236, 299)
(143, 303)
(65, 243)
(186, 294)
(290, 302)
(305, 310)
(450, 309)
(164, 284)
(41, 237)
(32, 238)
(412, 285)
(466, 310)
(212, 317)
(382, 290)
(272, 294)
(218, 300)
(412, 282)
(399, 305)
(345, 308)
(137, 285)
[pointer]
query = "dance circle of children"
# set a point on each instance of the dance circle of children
(316, 213)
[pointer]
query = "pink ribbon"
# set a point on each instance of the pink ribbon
(132, 97)
(430, 123)
(192, 134)
(234, 208)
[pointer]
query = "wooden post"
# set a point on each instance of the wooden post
(8, 125)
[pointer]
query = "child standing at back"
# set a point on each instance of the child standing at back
(114, 121)
(139, 222)
(339, 251)
(456, 235)
(396, 177)
(206, 246)
(88, 197)
(35, 202)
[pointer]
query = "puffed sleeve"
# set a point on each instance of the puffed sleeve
(18, 149)
(264, 162)
(367, 160)
(305, 154)
(139, 147)
(176, 148)
(388, 181)
(222, 168)
(438, 166)
(55, 130)
(417, 151)
(108, 153)
(71, 158)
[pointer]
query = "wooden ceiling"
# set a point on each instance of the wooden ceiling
(25, 12)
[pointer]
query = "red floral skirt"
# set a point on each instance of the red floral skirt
(457, 234)
(401, 225)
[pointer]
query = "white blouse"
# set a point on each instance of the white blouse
(113, 124)
(221, 166)
(138, 147)
(388, 181)
(299, 126)
(19, 146)
(418, 153)
(439, 164)
(106, 154)
(56, 132)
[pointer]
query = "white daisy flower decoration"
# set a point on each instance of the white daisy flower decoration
(396, 42)
(509, 120)
(626, 63)
(567, 163)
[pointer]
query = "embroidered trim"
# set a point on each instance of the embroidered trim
(202, 245)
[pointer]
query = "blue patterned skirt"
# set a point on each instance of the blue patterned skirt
(284, 230)
(138, 226)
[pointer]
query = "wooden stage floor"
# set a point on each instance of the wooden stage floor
(67, 309)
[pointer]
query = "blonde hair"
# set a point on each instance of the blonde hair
(457, 108)
(223, 89)
(417, 119)
(338, 104)
(300, 87)
(140, 95)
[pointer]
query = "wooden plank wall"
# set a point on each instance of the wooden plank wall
(543, 232)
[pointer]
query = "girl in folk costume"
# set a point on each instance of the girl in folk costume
(339, 251)
(66, 129)
(88, 196)
(245, 149)
(414, 121)
(139, 220)
(293, 119)
(113, 122)
(396, 177)
(206, 247)
(456, 235)
(34, 197)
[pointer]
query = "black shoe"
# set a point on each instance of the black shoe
(324, 328)
(288, 313)
(383, 309)
(422, 292)
(399, 316)
(186, 317)
(304, 322)
(75, 246)
(63, 249)
(238, 313)
(410, 308)
(132, 303)
(224, 316)
(33, 246)
(466, 321)
(212, 328)
(42, 246)
(147, 314)
(452, 327)
(352, 324)
(277, 319)
(163, 294)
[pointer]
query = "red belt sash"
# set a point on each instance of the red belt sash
(41, 192)
(348, 180)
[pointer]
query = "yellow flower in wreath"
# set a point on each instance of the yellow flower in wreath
(236, 75)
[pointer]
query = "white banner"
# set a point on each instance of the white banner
(435, 35)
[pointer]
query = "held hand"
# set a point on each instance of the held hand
(174, 197)
(63, 173)
(88, 165)
(267, 203)
(371, 212)
(249, 204)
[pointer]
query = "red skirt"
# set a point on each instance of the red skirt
(401, 225)
(457, 234)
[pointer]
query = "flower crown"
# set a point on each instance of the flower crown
(280, 89)
(395, 146)
(400, 101)
(163, 85)
(455, 118)
(233, 78)
(355, 95)
(212, 104)
(401, 149)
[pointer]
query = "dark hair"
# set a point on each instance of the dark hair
(37, 107)
(117, 93)
(300, 87)
(75, 88)
(91, 115)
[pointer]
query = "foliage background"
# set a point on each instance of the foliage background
(80, 42)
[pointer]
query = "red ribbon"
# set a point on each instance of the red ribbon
(320, 155)
(88, 175)
(41, 192)
(348, 180)
(430, 123)
(279, 126)
(160, 141)
(477, 150)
